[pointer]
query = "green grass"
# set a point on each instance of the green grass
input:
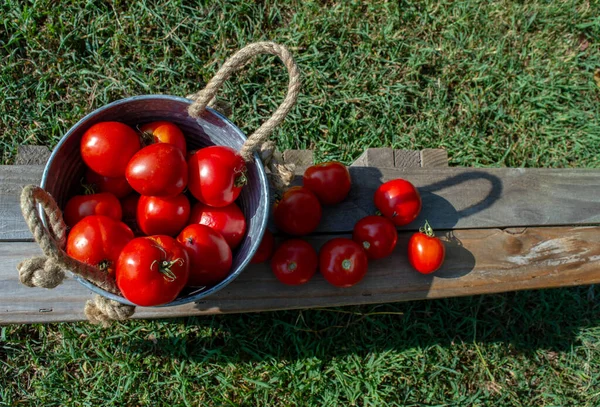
(503, 83)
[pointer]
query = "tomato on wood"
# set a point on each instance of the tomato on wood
(216, 175)
(80, 206)
(265, 250)
(343, 262)
(164, 132)
(426, 252)
(98, 241)
(158, 170)
(298, 212)
(294, 262)
(152, 270)
(107, 147)
(329, 181)
(399, 201)
(229, 221)
(163, 216)
(377, 235)
(210, 255)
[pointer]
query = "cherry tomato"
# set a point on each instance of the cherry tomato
(329, 181)
(98, 241)
(164, 132)
(294, 262)
(152, 270)
(107, 147)
(399, 201)
(298, 212)
(158, 170)
(210, 255)
(425, 251)
(377, 235)
(229, 221)
(81, 206)
(119, 186)
(163, 216)
(216, 175)
(343, 262)
(265, 250)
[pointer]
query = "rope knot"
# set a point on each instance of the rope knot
(102, 311)
(40, 272)
(280, 174)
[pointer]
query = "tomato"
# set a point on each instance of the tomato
(425, 251)
(399, 201)
(329, 181)
(164, 132)
(210, 255)
(343, 262)
(229, 221)
(265, 250)
(298, 212)
(98, 241)
(294, 262)
(216, 175)
(163, 216)
(81, 206)
(377, 235)
(118, 186)
(158, 170)
(152, 270)
(107, 147)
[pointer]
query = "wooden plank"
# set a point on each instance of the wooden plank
(477, 262)
(301, 158)
(12, 180)
(434, 157)
(375, 157)
(453, 198)
(32, 155)
(405, 159)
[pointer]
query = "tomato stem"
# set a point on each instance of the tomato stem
(241, 180)
(292, 266)
(88, 189)
(427, 229)
(366, 245)
(346, 264)
(104, 265)
(165, 268)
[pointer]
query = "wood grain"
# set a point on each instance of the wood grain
(12, 180)
(32, 155)
(477, 262)
(375, 157)
(301, 158)
(434, 157)
(406, 159)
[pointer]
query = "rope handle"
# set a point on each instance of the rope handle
(52, 241)
(206, 96)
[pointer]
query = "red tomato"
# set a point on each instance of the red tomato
(81, 206)
(377, 235)
(343, 262)
(229, 221)
(163, 216)
(152, 270)
(119, 186)
(158, 170)
(98, 241)
(425, 251)
(107, 147)
(329, 181)
(210, 255)
(298, 212)
(164, 132)
(399, 201)
(265, 250)
(216, 175)
(294, 262)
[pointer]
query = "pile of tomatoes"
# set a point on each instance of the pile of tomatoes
(136, 220)
(343, 262)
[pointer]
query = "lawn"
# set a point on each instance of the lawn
(496, 83)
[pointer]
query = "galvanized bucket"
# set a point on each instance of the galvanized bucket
(65, 169)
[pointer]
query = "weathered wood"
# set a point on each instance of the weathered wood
(453, 198)
(12, 180)
(375, 157)
(32, 155)
(477, 262)
(434, 157)
(405, 159)
(300, 158)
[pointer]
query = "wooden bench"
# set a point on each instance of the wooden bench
(505, 229)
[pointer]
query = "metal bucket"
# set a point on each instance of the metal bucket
(65, 169)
